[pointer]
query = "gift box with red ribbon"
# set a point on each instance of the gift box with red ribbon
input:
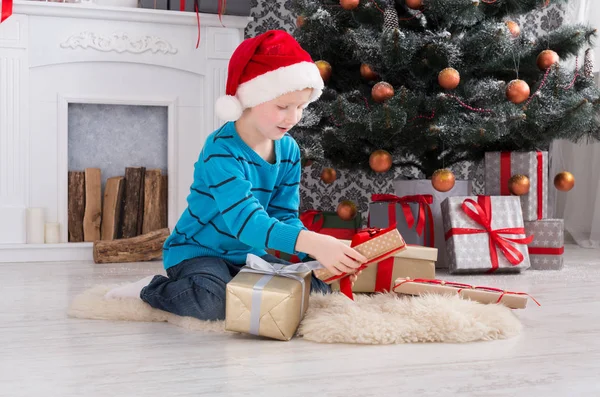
(330, 223)
(485, 234)
(514, 300)
(501, 166)
(411, 214)
(415, 262)
(376, 245)
(547, 248)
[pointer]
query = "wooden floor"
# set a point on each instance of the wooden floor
(45, 353)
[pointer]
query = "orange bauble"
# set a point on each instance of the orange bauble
(514, 28)
(367, 72)
(349, 4)
(519, 185)
(517, 91)
(300, 21)
(414, 4)
(443, 180)
(382, 91)
(380, 161)
(564, 181)
(449, 78)
(546, 59)
(324, 69)
(346, 210)
(328, 175)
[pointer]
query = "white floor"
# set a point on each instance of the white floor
(45, 353)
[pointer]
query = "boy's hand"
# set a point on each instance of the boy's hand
(354, 276)
(334, 255)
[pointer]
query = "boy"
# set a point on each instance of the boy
(245, 194)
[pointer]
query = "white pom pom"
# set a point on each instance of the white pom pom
(228, 108)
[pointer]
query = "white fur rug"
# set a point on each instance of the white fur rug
(375, 319)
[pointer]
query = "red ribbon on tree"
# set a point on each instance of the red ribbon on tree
(314, 220)
(7, 6)
(220, 11)
(482, 214)
(425, 214)
(506, 173)
(461, 286)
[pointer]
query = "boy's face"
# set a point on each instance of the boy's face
(274, 118)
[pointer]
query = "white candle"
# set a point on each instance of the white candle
(35, 225)
(52, 233)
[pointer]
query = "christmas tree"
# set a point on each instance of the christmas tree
(430, 83)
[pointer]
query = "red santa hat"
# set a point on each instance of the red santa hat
(263, 68)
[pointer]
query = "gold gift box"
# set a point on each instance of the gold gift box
(383, 246)
(415, 262)
(282, 304)
(513, 300)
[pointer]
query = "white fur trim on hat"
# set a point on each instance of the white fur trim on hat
(275, 83)
(228, 108)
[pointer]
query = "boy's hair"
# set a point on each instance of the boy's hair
(263, 68)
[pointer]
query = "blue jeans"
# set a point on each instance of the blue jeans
(196, 287)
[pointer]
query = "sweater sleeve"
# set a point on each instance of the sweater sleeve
(243, 214)
(286, 199)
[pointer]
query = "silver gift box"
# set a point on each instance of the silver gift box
(524, 163)
(470, 253)
(546, 249)
(404, 187)
(378, 217)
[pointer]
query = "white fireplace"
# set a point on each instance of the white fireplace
(53, 54)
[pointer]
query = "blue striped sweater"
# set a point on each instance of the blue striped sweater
(238, 203)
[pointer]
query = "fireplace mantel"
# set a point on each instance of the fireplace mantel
(52, 54)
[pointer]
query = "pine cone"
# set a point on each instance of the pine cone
(588, 64)
(390, 17)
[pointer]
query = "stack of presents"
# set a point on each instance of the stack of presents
(408, 236)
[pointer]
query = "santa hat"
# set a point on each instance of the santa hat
(263, 68)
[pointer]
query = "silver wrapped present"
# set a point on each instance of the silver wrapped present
(546, 249)
(485, 234)
(404, 187)
(501, 166)
(412, 215)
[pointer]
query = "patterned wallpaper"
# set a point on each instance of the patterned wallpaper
(358, 186)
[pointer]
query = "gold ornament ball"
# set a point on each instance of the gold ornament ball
(564, 181)
(546, 59)
(380, 161)
(414, 4)
(346, 210)
(328, 175)
(513, 28)
(367, 72)
(349, 4)
(449, 78)
(443, 180)
(519, 185)
(382, 91)
(324, 69)
(517, 91)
